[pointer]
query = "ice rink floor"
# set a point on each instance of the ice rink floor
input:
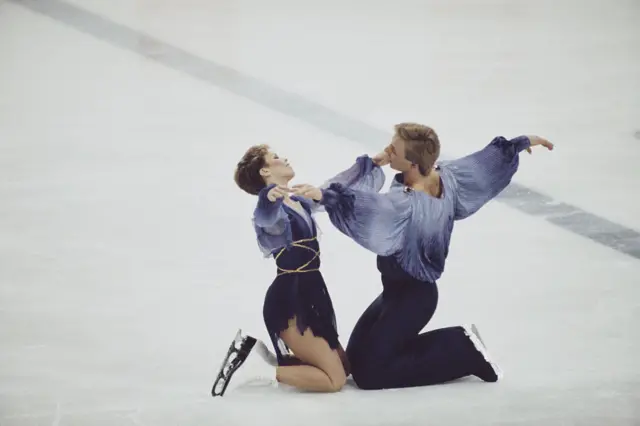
(127, 256)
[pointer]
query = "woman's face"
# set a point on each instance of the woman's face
(276, 168)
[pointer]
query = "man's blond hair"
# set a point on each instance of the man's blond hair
(422, 146)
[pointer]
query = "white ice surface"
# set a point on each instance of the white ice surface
(127, 259)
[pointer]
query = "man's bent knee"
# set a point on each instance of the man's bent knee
(368, 383)
(367, 378)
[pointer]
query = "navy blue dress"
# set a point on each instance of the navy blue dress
(298, 290)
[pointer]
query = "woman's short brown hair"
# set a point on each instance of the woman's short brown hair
(247, 174)
(422, 146)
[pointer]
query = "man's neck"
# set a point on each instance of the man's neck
(429, 184)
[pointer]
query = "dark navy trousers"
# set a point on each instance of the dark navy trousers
(386, 349)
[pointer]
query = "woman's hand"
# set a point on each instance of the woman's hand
(537, 140)
(382, 159)
(276, 192)
(307, 191)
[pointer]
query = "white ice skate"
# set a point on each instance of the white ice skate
(474, 335)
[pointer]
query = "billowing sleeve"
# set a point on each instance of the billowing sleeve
(377, 222)
(481, 176)
(364, 175)
(271, 223)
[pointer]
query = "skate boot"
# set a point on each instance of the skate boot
(489, 370)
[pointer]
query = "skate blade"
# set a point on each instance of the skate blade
(236, 355)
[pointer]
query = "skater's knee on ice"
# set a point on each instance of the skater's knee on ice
(366, 377)
(338, 380)
(367, 382)
(316, 351)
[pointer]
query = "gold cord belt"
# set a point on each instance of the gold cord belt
(300, 269)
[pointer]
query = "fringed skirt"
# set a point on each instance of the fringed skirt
(305, 297)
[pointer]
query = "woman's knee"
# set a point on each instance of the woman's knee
(315, 351)
(338, 380)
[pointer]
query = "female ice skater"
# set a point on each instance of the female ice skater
(298, 311)
(409, 228)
